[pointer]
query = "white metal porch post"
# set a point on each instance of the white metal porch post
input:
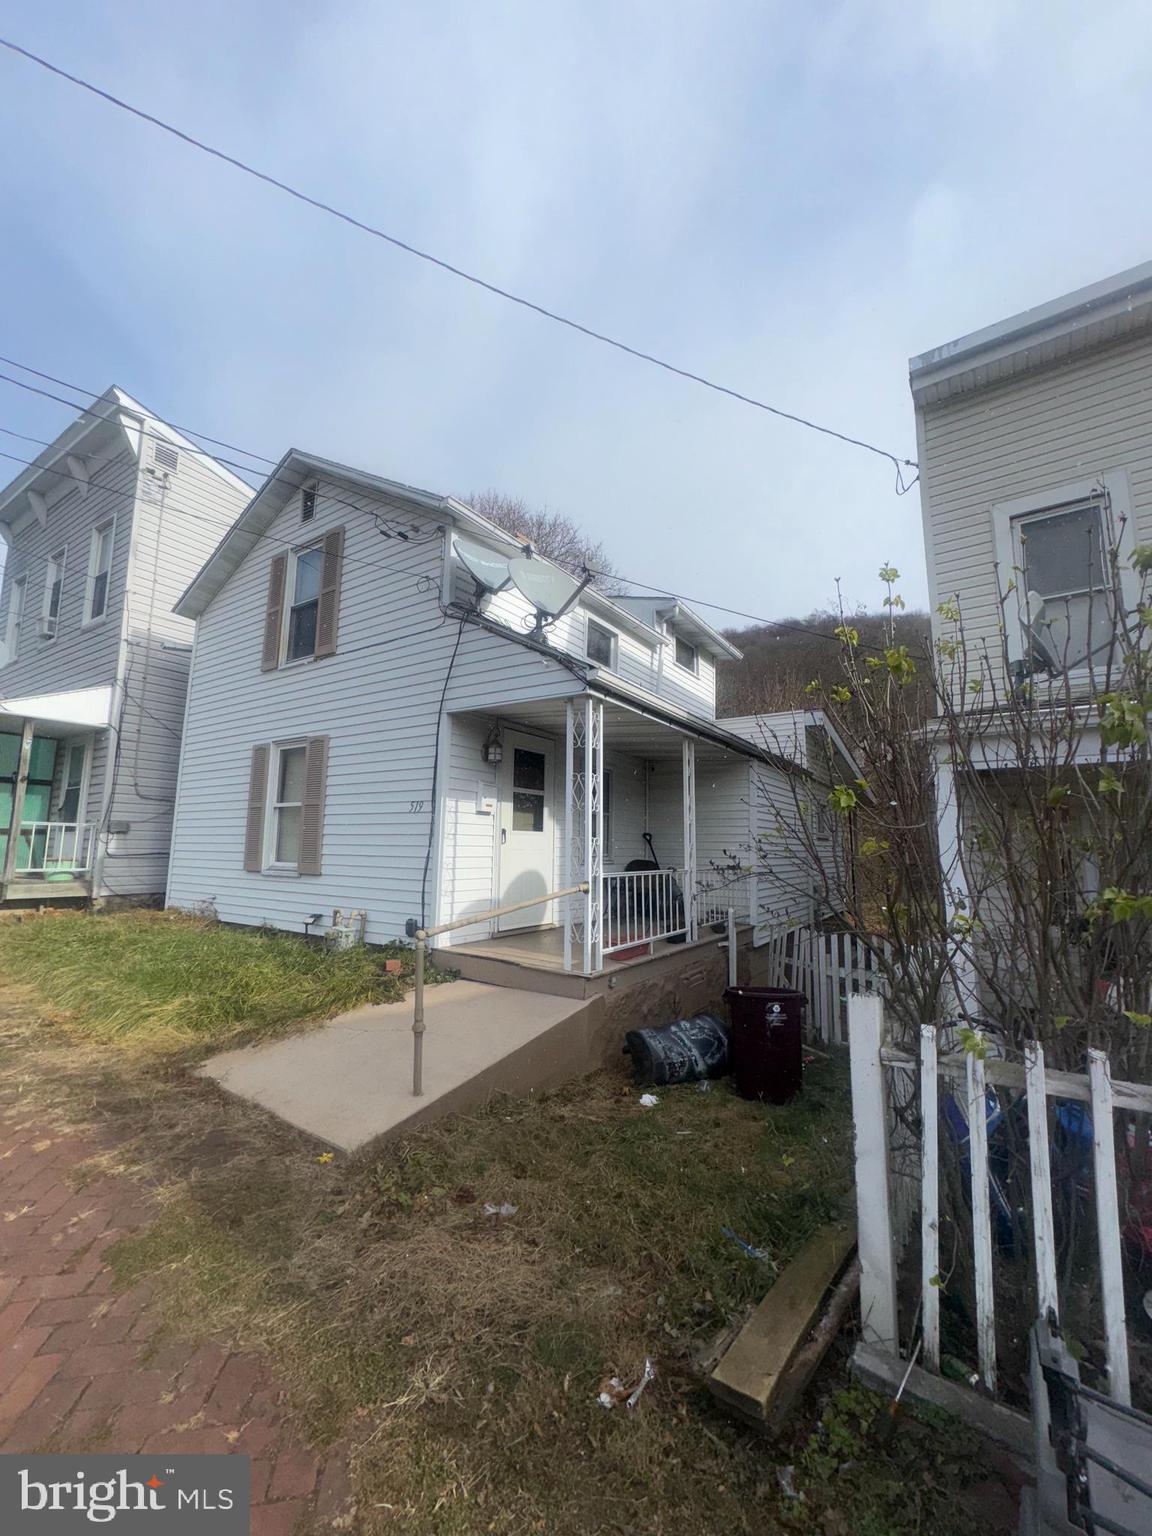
(688, 747)
(584, 833)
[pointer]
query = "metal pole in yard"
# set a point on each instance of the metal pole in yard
(418, 1021)
(731, 946)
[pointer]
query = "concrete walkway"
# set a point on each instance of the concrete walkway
(349, 1082)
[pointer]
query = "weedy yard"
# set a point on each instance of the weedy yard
(460, 1352)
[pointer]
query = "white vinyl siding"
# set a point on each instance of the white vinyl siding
(1022, 439)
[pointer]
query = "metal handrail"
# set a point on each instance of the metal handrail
(424, 934)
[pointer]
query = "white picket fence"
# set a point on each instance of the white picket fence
(881, 1071)
(829, 968)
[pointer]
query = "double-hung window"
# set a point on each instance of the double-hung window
(99, 572)
(600, 645)
(287, 806)
(17, 601)
(53, 592)
(686, 655)
(1054, 548)
(305, 574)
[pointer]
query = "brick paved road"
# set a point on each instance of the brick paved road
(80, 1368)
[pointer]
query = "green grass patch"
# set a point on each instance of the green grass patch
(163, 981)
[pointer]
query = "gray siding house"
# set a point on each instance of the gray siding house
(371, 729)
(103, 531)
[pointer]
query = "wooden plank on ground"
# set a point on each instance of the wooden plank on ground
(749, 1374)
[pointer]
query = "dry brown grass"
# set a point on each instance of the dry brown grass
(460, 1354)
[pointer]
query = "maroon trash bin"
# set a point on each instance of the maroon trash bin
(766, 1041)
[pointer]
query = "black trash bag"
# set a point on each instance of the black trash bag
(683, 1052)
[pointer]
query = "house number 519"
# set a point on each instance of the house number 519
(414, 806)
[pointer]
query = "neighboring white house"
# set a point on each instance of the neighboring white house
(369, 729)
(103, 531)
(1035, 452)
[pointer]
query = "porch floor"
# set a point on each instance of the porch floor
(349, 1081)
(543, 949)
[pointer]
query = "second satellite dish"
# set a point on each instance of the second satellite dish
(488, 569)
(547, 588)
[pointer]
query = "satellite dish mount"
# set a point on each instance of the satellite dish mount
(550, 590)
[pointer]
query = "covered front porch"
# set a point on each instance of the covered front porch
(49, 748)
(651, 816)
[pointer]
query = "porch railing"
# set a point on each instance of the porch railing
(641, 905)
(54, 848)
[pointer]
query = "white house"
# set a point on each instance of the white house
(372, 729)
(1035, 451)
(103, 531)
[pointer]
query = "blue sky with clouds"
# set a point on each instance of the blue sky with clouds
(791, 199)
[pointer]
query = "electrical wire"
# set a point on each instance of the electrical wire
(436, 775)
(160, 438)
(899, 464)
(392, 569)
(701, 602)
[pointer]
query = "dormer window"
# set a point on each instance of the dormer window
(600, 645)
(687, 656)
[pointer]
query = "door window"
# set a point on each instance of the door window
(69, 807)
(529, 777)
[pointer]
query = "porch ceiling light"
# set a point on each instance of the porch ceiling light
(493, 749)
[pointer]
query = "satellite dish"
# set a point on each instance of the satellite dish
(1038, 629)
(547, 588)
(488, 569)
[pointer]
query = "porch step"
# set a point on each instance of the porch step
(349, 1082)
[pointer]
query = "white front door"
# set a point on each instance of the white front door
(527, 844)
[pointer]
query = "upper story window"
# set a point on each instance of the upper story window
(303, 608)
(17, 603)
(687, 656)
(307, 569)
(53, 592)
(1063, 562)
(308, 504)
(99, 572)
(600, 645)
(1053, 553)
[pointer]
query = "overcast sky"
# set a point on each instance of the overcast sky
(791, 199)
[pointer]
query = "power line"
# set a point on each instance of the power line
(899, 464)
(702, 602)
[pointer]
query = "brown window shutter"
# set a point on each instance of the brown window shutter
(274, 614)
(312, 813)
(257, 795)
(328, 611)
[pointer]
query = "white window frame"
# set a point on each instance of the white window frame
(17, 615)
(58, 562)
(69, 744)
(108, 525)
(613, 643)
(677, 642)
(271, 821)
(1111, 491)
(289, 593)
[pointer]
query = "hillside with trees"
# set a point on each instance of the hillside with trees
(779, 663)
